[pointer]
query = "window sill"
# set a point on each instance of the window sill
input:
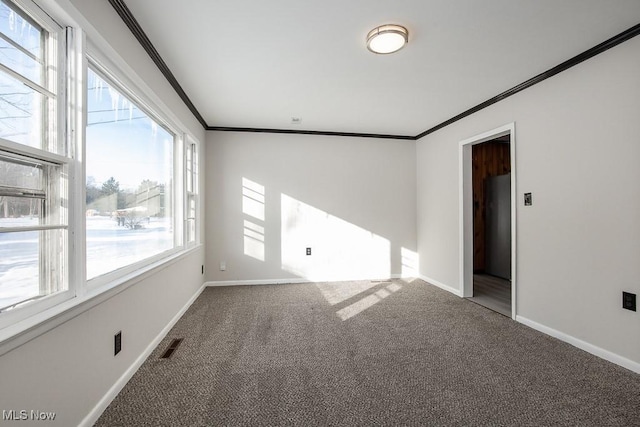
(20, 333)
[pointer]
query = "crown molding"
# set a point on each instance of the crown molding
(131, 22)
(311, 132)
(587, 54)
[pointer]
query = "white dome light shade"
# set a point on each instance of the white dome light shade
(387, 39)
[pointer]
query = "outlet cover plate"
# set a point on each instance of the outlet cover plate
(117, 343)
(629, 301)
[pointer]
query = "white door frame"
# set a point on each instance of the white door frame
(466, 209)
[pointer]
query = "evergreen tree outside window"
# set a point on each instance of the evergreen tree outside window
(129, 182)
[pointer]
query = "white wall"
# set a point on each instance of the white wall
(577, 151)
(69, 369)
(352, 200)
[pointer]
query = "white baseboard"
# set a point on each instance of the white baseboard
(441, 285)
(583, 345)
(256, 282)
(283, 281)
(95, 413)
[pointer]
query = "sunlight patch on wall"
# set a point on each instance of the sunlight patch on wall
(253, 205)
(253, 199)
(410, 263)
(253, 240)
(340, 250)
(367, 302)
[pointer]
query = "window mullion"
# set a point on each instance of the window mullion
(32, 228)
(14, 150)
(27, 82)
(185, 188)
(74, 136)
(179, 192)
(19, 47)
(21, 192)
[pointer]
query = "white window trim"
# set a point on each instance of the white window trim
(76, 131)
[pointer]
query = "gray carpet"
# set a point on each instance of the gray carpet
(406, 354)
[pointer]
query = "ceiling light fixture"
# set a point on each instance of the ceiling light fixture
(387, 38)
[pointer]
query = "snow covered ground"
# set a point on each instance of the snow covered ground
(109, 247)
(18, 262)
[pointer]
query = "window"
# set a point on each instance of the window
(133, 159)
(33, 174)
(130, 180)
(191, 171)
(33, 231)
(28, 61)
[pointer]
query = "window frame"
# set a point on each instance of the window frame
(96, 63)
(53, 127)
(191, 167)
(54, 84)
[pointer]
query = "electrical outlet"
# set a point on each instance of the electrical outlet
(629, 301)
(308, 251)
(528, 200)
(117, 343)
(202, 268)
(223, 265)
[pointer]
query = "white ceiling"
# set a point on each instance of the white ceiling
(259, 63)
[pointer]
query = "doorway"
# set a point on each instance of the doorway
(488, 220)
(491, 175)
